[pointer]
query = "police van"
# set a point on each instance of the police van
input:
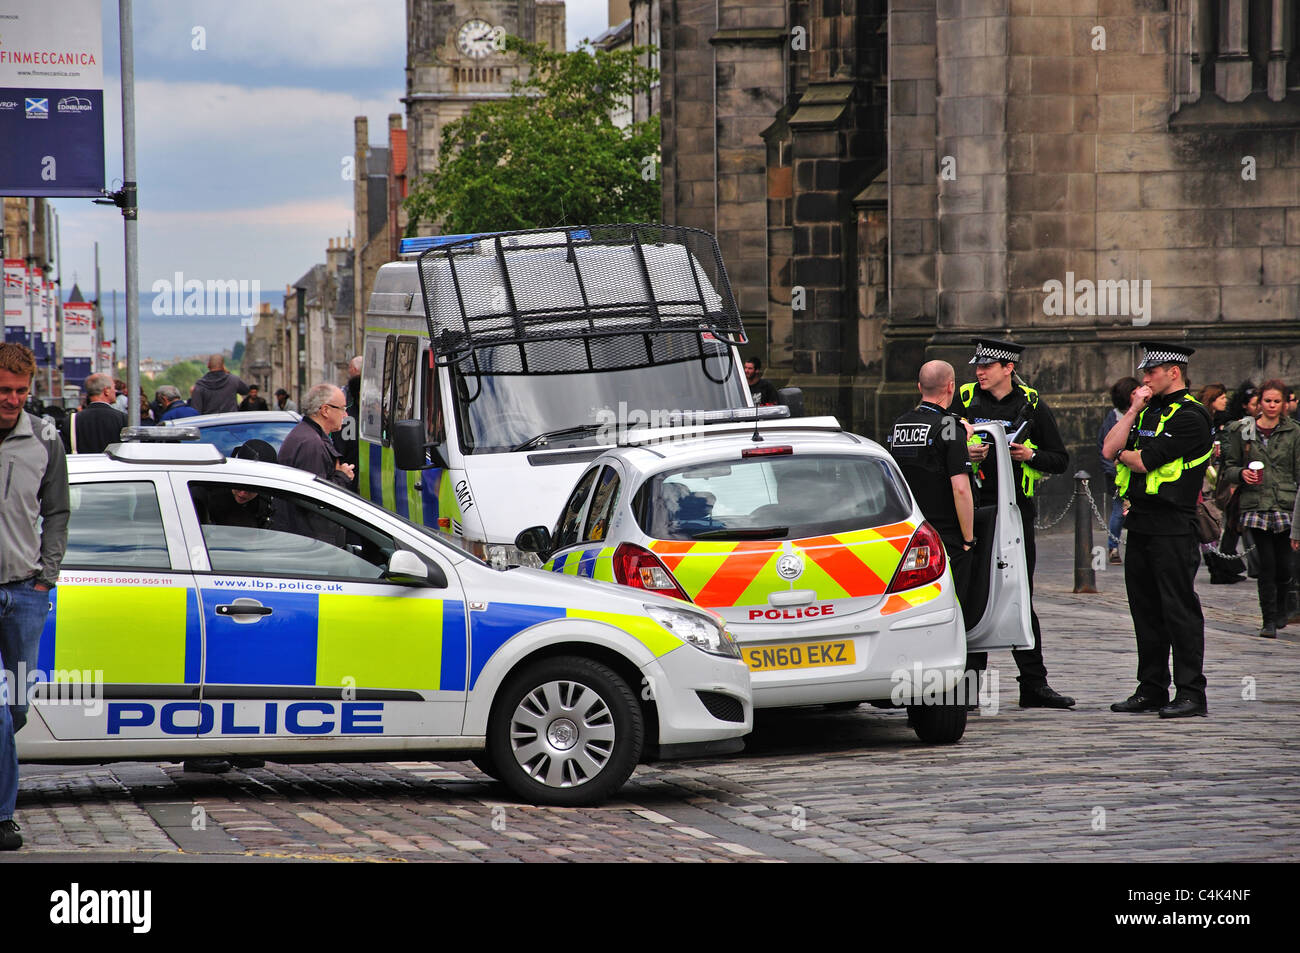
(226, 608)
(503, 364)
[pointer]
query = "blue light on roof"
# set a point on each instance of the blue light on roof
(414, 246)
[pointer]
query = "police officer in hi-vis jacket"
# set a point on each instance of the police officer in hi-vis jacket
(1161, 448)
(998, 395)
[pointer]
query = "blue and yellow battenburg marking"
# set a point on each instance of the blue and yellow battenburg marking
(312, 639)
(401, 491)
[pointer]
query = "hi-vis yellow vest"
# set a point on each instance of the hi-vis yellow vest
(1029, 477)
(1172, 471)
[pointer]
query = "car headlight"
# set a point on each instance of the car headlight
(693, 628)
(501, 556)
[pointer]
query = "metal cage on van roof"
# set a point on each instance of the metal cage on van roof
(575, 300)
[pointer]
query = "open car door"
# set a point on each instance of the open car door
(997, 608)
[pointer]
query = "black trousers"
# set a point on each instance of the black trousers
(1160, 575)
(1274, 553)
(1030, 661)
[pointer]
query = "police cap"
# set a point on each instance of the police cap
(993, 351)
(1158, 353)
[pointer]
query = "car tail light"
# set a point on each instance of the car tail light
(639, 568)
(923, 562)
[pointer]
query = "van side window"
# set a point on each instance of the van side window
(390, 359)
(602, 506)
(435, 427)
(372, 420)
(404, 380)
(566, 533)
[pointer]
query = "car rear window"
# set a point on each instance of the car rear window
(778, 497)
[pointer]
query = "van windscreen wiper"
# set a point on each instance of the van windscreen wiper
(582, 430)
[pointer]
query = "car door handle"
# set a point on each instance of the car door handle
(244, 610)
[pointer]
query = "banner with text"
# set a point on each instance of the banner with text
(51, 98)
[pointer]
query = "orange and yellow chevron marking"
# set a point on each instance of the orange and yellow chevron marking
(842, 565)
(913, 597)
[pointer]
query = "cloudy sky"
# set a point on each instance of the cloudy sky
(239, 146)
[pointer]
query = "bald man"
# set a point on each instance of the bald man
(929, 444)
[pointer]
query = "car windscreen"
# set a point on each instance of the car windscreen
(229, 436)
(500, 412)
(772, 497)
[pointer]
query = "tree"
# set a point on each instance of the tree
(550, 154)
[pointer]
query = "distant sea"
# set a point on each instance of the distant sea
(172, 337)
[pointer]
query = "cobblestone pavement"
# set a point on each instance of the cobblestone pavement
(812, 786)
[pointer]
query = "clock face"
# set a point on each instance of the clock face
(476, 38)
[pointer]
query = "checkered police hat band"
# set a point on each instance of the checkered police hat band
(1163, 357)
(983, 353)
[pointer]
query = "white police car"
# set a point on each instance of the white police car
(214, 607)
(807, 541)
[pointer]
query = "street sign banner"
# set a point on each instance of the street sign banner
(78, 341)
(15, 301)
(52, 98)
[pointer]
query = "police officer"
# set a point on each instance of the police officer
(998, 395)
(1161, 448)
(929, 444)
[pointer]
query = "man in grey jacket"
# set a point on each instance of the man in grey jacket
(34, 488)
(215, 392)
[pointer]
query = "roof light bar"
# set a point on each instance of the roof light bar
(173, 434)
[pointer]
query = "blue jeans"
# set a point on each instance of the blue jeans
(1116, 522)
(22, 617)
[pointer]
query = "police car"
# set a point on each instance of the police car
(808, 542)
(215, 607)
(229, 430)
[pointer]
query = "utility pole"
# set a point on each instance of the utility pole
(99, 317)
(58, 301)
(28, 281)
(129, 213)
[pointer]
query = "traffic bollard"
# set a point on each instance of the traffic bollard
(1085, 577)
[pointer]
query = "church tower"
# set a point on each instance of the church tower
(453, 61)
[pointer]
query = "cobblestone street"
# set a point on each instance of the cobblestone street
(812, 786)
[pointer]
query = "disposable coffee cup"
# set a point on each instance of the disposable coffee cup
(1255, 465)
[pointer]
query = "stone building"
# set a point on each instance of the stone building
(451, 63)
(1078, 175)
(379, 220)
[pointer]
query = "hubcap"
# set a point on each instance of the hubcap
(562, 734)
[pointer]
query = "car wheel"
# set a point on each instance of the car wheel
(565, 731)
(938, 724)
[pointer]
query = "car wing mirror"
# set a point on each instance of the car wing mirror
(535, 539)
(410, 452)
(406, 567)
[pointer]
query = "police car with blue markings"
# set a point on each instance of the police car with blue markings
(225, 608)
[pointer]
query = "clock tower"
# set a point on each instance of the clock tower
(454, 59)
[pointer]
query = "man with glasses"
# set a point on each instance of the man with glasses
(308, 447)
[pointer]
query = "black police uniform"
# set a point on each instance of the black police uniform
(929, 445)
(1163, 550)
(1023, 403)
